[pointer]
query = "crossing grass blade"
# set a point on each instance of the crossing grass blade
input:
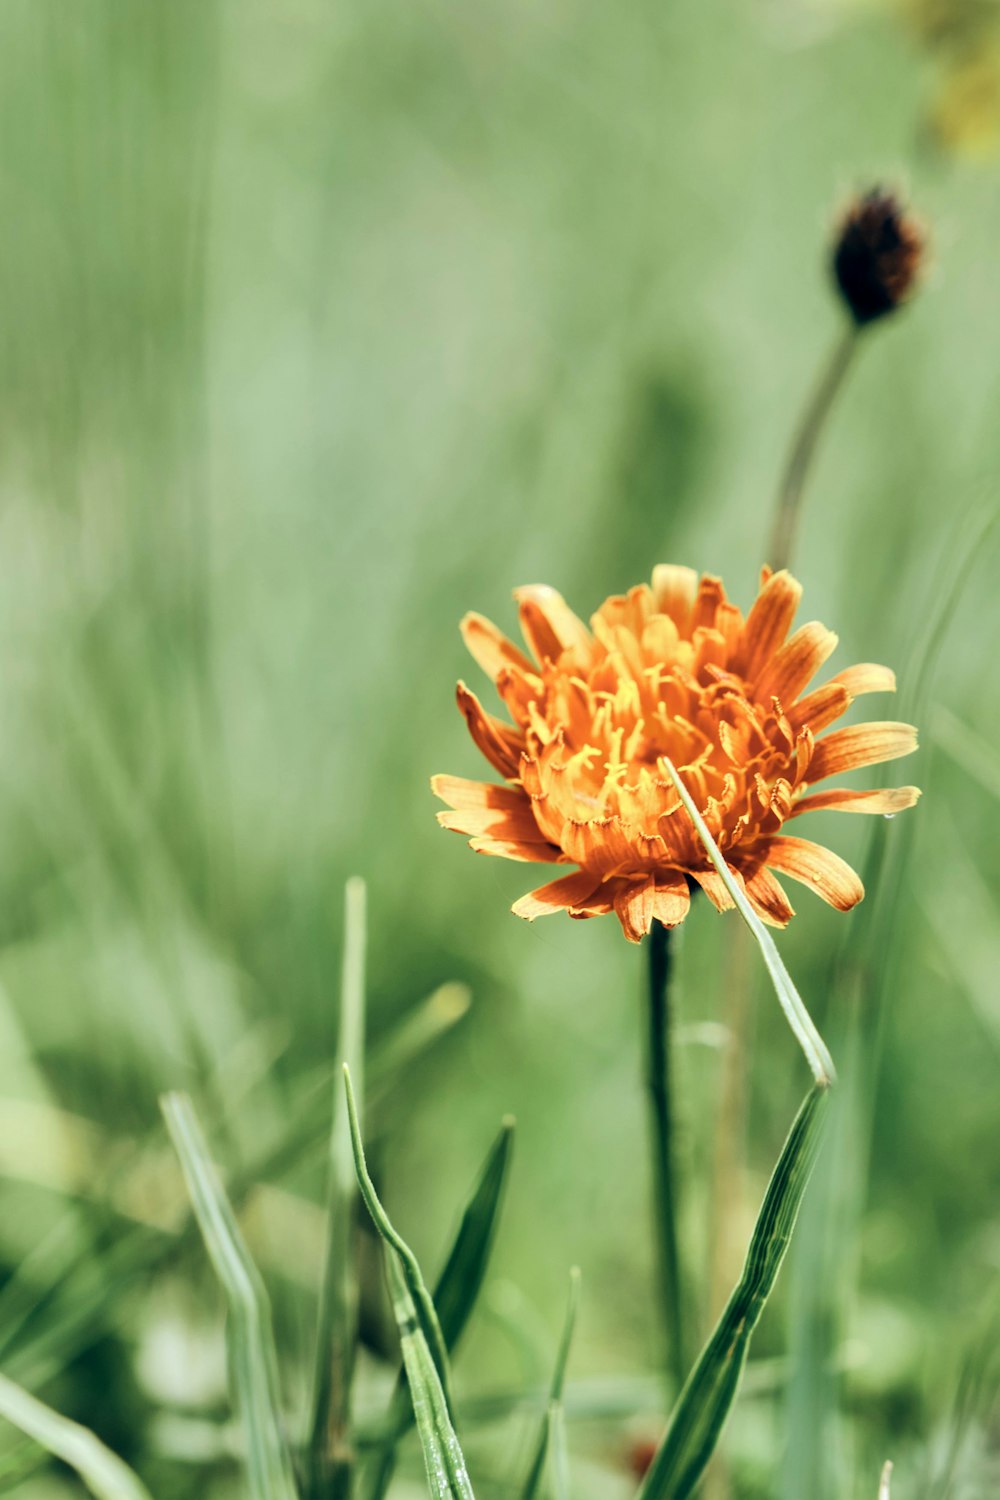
(710, 1391)
(552, 1433)
(799, 1019)
(329, 1457)
(457, 1287)
(102, 1471)
(424, 1358)
(423, 1303)
(447, 1477)
(250, 1336)
(432, 1019)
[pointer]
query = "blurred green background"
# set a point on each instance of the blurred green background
(320, 325)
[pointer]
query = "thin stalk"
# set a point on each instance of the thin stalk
(662, 1148)
(330, 1454)
(804, 443)
(729, 1158)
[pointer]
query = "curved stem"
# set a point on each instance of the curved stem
(661, 1120)
(782, 543)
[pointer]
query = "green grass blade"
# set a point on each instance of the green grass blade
(423, 1360)
(461, 1278)
(102, 1471)
(457, 1287)
(447, 1478)
(330, 1459)
(250, 1337)
(552, 1433)
(791, 1001)
(711, 1388)
(433, 1018)
(423, 1303)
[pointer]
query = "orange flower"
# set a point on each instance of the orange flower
(673, 670)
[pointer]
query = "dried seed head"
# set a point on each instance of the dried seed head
(878, 256)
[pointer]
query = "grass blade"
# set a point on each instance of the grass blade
(433, 1018)
(447, 1477)
(710, 1391)
(711, 1388)
(250, 1337)
(552, 1433)
(102, 1471)
(330, 1457)
(457, 1287)
(424, 1309)
(791, 1001)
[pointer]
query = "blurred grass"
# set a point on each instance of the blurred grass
(317, 330)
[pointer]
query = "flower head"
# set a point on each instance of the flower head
(877, 257)
(670, 670)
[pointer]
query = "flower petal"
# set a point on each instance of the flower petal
(460, 793)
(820, 869)
(768, 899)
(571, 891)
(714, 887)
(819, 708)
(536, 854)
(490, 647)
(888, 801)
(866, 677)
(796, 664)
(499, 823)
(549, 625)
(671, 899)
(500, 743)
(634, 907)
(860, 745)
(674, 589)
(768, 622)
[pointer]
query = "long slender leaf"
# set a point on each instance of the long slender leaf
(330, 1459)
(420, 1029)
(457, 1287)
(102, 1471)
(552, 1433)
(447, 1476)
(711, 1388)
(791, 1001)
(250, 1337)
(421, 1297)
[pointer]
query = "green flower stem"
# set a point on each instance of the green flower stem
(813, 420)
(662, 1148)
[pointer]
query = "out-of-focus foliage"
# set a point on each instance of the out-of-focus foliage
(319, 326)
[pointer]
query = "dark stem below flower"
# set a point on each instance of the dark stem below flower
(807, 435)
(664, 1168)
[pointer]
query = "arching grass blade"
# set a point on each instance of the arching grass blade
(457, 1287)
(424, 1358)
(102, 1471)
(330, 1456)
(447, 1478)
(250, 1337)
(552, 1433)
(711, 1388)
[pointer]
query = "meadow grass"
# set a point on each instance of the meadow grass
(317, 332)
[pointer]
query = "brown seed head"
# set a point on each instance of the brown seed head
(877, 257)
